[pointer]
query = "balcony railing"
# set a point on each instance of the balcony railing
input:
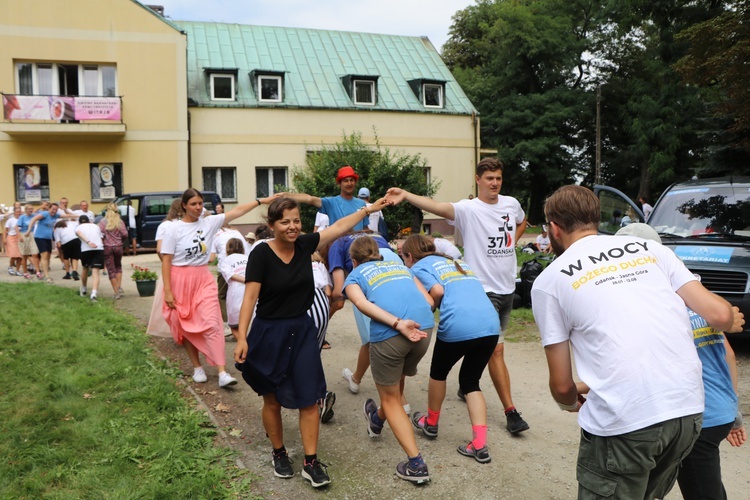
(61, 109)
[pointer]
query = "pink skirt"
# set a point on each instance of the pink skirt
(12, 249)
(156, 324)
(197, 314)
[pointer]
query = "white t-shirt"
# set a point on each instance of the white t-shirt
(542, 242)
(375, 217)
(11, 224)
(162, 229)
(614, 299)
(65, 234)
(647, 209)
(78, 214)
(189, 242)
(320, 275)
(91, 234)
(321, 221)
(222, 238)
(447, 248)
(131, 217)
(230, 265)
(489, 234)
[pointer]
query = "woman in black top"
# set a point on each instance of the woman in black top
(280, 358)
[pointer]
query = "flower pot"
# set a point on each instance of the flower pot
(146, 287)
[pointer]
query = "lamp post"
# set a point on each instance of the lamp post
(598, 135)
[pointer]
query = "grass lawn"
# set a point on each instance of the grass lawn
(87, 411)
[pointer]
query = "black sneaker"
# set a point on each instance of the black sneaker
(282, 465)
(419, 421)
(75, 276)
(482, 455)
(67, 276)
(326, 408)
(515, 424)
(372, 429)
(461, 395)
(419, 475)
(317, 473)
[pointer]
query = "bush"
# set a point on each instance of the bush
(378, 168)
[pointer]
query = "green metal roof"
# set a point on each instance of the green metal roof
(313, 63)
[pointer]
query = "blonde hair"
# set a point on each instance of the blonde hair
(112, 217)
(364, 249)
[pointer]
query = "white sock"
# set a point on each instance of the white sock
(93, 293)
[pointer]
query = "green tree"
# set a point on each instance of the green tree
(521, 63)
(378, 168)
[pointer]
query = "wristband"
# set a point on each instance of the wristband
(572, 407)
(258, 200)
(395, 323)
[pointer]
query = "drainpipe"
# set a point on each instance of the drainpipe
(475, 123)
(190, 152)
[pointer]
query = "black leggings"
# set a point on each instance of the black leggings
(476, 354)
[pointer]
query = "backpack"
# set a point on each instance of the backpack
(530, 270)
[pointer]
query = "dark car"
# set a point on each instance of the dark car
(706, 223)
(151, 209)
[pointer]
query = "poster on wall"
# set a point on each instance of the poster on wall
(106, 181)
(61, 108)
(32, 183)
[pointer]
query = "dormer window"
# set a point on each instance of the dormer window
(222, 84)
(268, 85)
(431, 93)
(363, 90)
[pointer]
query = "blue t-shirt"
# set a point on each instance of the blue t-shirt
(391, 286)
(721, 400)
(336, 207)
(24, 221)
(338, 254)
(465, 311)
(45, 225)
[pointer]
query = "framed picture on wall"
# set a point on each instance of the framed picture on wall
(32, 183)
(106, 181)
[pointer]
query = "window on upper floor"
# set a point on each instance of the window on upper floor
(43, 78)
(432, 95)
(222, 86)
(223, 180)
(270, 88)
(364, 92)
(270, 180)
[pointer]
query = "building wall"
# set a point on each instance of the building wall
(250, 138)
(150, 56)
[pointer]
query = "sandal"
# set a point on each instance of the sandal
(27, 276)
(326, 345)
(39, 276)
(49, 280)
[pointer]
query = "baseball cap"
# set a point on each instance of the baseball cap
(640, 230)
(250, 236)
(364, 193)
(344, 172)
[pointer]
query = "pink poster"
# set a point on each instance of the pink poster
(60, 108)
(97, 108)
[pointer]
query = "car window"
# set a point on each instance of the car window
(703, 210)
(158, 205)
(616, 212)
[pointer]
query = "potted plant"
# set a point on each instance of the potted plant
(145, 280)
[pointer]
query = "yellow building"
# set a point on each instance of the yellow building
(94, 99)
(105, 97)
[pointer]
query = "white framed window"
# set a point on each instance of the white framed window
(223, 180)
(222, 87)
(364, 92)
(270, 180)
(40, 78)
(270, 88)
(432, 95)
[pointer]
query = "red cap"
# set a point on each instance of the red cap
(344, 172)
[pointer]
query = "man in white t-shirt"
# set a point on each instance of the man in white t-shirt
(374, 221)
(491, 224)
(542, 241)
(640, 371)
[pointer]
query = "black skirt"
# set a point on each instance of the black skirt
(283, 358)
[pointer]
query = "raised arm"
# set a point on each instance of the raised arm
(241, 210)
(443, 209)
(307, 199)
(347, 223)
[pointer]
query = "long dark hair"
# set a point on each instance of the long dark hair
(419, 247)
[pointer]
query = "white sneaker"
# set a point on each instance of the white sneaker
(225, 379)
(349, 377)
(199, 376)
(82, 291)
